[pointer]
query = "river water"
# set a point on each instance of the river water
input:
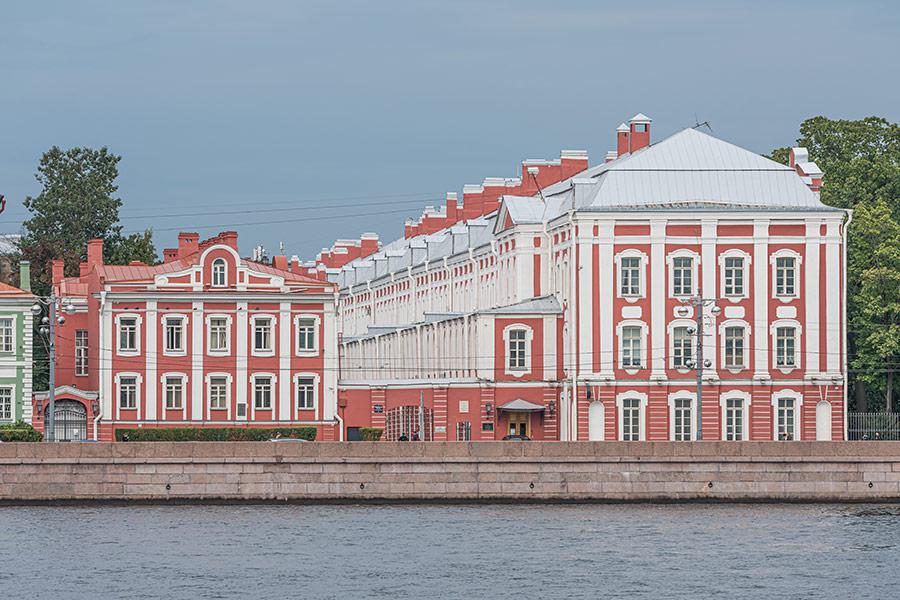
(605, 551)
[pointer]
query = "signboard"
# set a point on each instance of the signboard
(487, 426)
(440, 429)
(378, 408)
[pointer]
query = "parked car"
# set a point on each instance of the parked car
(516, 438)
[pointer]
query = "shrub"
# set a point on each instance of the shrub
(370, 434)
(214, 434)
(20, 431)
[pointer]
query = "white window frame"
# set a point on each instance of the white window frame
(744, 397)
(165, 334)
(695, 270)
(787, 394)
(529, 339)
(671, 327)
(273, 390)
(316, 319)
(213, 275)
(228, 379)
(748, 261)
(273, 322)
(620, 327)
(8, 340)
(138, 381)
(798, 261)
(137, 334)
(798, 339)
(82, 353)
(209, 350)
(315, 398)
(642, 274)
(163, 379)
(692, 398)
(12, 403)
(747, 353)
(642, 416)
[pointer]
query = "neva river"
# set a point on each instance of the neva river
(470, 552)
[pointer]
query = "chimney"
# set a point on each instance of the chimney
(639, 134)
(295, 264)
(622, 145)
(94, 253)
(229, 238)
(368, 244)
(25, 275)
(808, 171)
(188, 243)
(611, 156)
(170, 254)
(57, 268)
(280, 262)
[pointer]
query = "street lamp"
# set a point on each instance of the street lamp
(698, 302)
(48, 329)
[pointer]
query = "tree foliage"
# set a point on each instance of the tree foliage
(861, 161)
(77, 203)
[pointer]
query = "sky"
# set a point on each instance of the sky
(301, 122)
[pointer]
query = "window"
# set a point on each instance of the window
(306, 393)
(631, 419)
(128, 332)
(785, 276)
(128, 392)
(219, 273)
(174, 389)
(682, 348)
(463, 431)
(786, 419)
(306, 335)
(734, 347)
(262, 334)
(681, 419)
(682, 276)
(262, 393)
(81, 352)
(7, 335)
(218, 393)
(6, 404)
(630, 276)
(734, 419)
(734, 276)
(631, 347)
(174, 334)
(785, 347)
(518, 340)
(218, 334)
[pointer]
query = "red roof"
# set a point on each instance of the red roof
(11, 290)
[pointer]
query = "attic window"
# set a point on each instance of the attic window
(219, 273)
(640, 127)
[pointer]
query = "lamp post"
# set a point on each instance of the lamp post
(699, 302)
(48, 329)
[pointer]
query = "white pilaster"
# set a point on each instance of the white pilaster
(285, 381)
(105, 366)
(242, 359)
(708, 281)
(604, 268)
(151, 379)
(811, 298)
(761, 295)
(833, 298)
(657, 299)
(197, 347)
(585, 277)
(329, 367)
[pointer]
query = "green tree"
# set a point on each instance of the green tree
(861, 161)
(77, 203)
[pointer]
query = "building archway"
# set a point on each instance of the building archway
(69, 420)
(596, 422)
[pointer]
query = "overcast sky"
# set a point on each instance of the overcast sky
(302, 122)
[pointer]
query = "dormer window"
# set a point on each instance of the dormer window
(219, 273)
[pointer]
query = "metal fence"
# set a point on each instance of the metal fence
(873, 426)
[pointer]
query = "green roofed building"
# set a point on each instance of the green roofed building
(16, 334)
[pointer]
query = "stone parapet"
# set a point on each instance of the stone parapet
(450, 472)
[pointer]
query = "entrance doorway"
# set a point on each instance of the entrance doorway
(69, 421)
(596, 422)
(520, 423)
(823, 421)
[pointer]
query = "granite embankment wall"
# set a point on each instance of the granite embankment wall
(441, 472)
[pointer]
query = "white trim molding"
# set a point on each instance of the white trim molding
(620, 344)
(671, 326)
(208, 318)
(773, 262)
(745, 271)
(296, 392)
(695, 271)
(642, 274)
(798, 337)
(745, 398)
(138, 381)
(529, 340)
(229, 379)
(683, 395)
(317, 325)
(642, 406)
(137, 334)
(164, 317)
(797, 397)
(273, 321)
(746, 349)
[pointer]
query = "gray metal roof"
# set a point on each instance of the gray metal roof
(543, 305)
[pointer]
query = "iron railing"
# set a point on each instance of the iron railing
(873, 426)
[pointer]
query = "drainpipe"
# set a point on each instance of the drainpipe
(573, 340)
(99, 414)
(844, 235)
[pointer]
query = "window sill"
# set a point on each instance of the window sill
(218, 409)
(517, 372)
(307, 353)
(787, 370)
(219, 353)
(174, 353)
(128, 353)
(632, 370)
(631, 298)
(786, 299)
(262, 353)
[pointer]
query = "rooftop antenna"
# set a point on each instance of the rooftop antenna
(533, 171)
(698, 124)
(280, 247)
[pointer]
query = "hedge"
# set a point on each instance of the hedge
(20, 431)
(214, 434)
(370, 434)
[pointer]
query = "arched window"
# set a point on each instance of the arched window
(219, 273)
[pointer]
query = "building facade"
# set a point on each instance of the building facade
(204, 339)
(561, 304)
(16, 335)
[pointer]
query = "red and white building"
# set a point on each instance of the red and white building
(204, 339)
(554, 304)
